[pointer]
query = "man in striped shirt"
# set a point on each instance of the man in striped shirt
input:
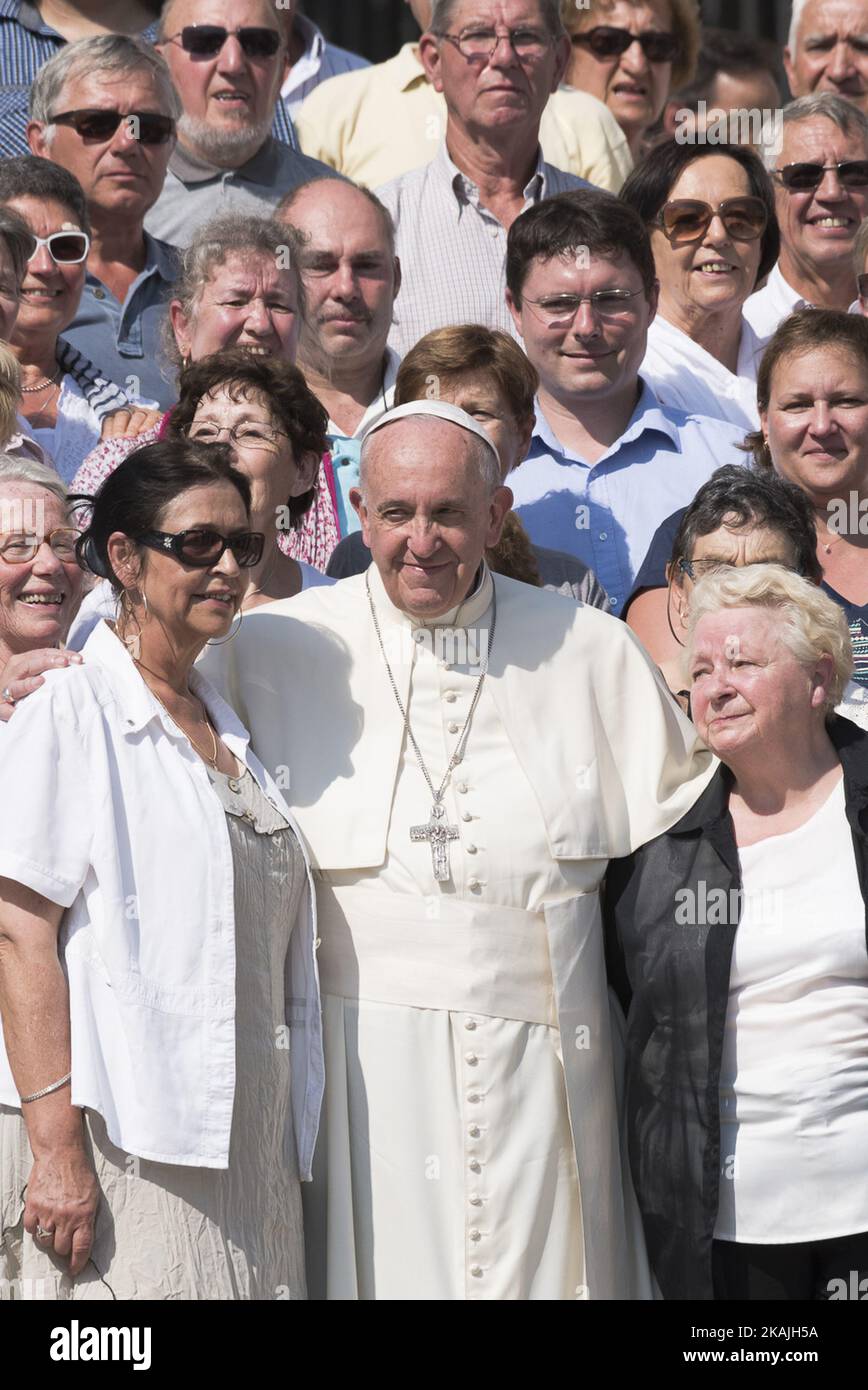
(311, 59)
(496, 63)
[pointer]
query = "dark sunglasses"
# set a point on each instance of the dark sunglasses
(606, 41)
(686, 219)
(800, 178)
(202, 547)
(206, 40)
(64, 248)
(99, 125)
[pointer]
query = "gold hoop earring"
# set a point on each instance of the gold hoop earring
(223, 640)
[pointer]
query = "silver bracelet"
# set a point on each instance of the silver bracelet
(37, 1095)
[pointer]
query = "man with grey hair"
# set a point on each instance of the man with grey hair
(496, 62)
(827, 49)
(458, 751)
(820, 169)
(227, 59)
(105, 110)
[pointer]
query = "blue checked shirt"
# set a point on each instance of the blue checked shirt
(26, 42)
(606, 513)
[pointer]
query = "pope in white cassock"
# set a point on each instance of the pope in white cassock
(464, 754)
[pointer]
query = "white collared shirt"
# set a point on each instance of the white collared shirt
(683, 374)
(114, 818)
(768, 307)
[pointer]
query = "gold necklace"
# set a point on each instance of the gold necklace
(189, 737)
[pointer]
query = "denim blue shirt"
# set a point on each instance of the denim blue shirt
(124, 340)
(606, 513)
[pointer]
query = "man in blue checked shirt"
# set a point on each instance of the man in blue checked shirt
(607, 462)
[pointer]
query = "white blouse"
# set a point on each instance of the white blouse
(794, 1073)
(682, 374)
(113, 817)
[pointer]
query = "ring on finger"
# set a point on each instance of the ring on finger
(6, 696)
(42, 1233)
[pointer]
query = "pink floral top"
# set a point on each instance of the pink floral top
(312, 543)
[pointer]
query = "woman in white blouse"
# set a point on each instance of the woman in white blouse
(156, 934)
(737, 941)
(711, 214)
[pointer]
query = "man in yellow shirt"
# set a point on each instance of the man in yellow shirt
(378, 123)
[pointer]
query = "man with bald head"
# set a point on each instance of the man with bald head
(351, 276)
(827, 49)
(226, 59)
(464, 754)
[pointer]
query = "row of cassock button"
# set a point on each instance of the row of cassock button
(474, 1164)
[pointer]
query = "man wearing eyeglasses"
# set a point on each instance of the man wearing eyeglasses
(227, 60)
(606, 459)
(496, 63)
(821, 197)
(827, 50)
(105, 109)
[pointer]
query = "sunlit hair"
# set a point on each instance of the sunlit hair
(810, 625)
(826, 105)
(24, 470)
(445, 355)
(685, 21)
(860, 248)
(10, 394)
(800, 335)
(110, 55)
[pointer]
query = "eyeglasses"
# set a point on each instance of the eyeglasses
(245, 435)
(206, 40)
(201, 547)
(64, 248)
(803, 178)
(684, 219)
(559, 310)
(97, 125)
(607, 41)
(479, 45)
(20, 548)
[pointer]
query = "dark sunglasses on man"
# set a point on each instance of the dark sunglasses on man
(805, 177)
(202, 547)
(607, 41)
(688, 219)
(206, 40)
(96, 125)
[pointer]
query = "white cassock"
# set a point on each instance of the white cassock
(470, 1143)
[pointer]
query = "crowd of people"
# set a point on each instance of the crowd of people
(433, 654)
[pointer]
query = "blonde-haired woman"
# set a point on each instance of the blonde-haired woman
(631, 54)
(737, 943)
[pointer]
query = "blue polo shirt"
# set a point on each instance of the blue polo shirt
(606, 513)
(125, 340)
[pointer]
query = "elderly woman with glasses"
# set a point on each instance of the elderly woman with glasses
(41, 582)
(157, 947)
(65, 399)
(710, 211)
(631, 54)
(737, 944)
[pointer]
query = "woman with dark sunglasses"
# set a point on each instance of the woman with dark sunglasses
(631, 54)
(65, 397)
(711, 215)
(154, 1127)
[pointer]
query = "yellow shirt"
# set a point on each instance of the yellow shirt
(379, 122)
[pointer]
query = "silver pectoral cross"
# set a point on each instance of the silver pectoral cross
(439, 833)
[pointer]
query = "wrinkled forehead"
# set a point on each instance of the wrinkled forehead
(232, 14)
(421, 446)
(817, 135)
(839, 19)
(249, 272)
